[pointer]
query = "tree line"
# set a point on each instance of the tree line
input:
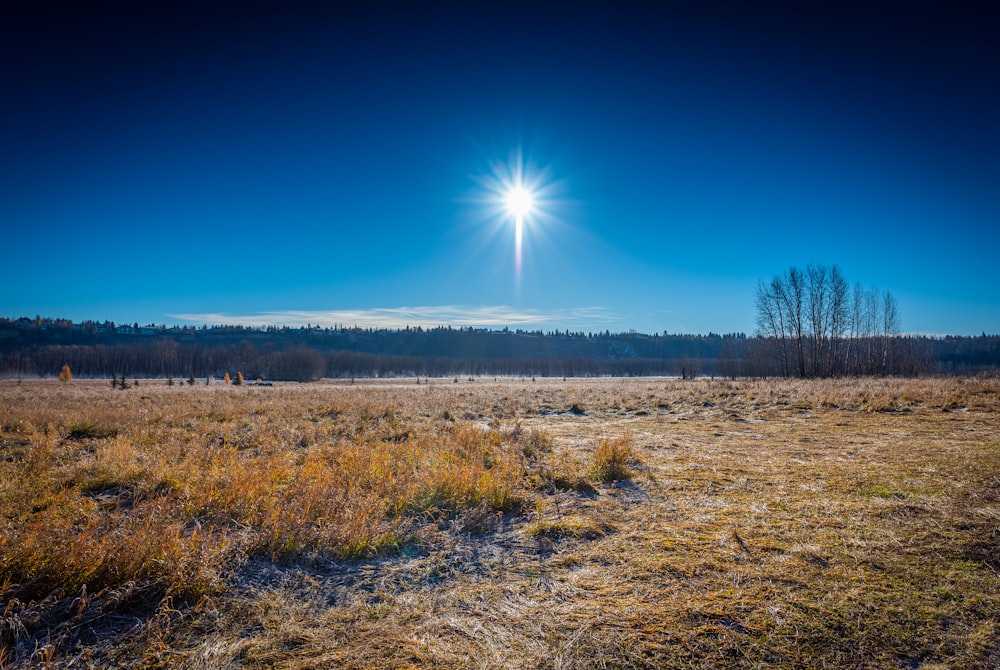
(810, 324)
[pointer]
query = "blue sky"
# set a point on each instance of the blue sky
(300, 163)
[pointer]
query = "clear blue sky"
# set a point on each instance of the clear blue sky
(290, 163)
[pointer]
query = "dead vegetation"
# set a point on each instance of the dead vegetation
(672, 523)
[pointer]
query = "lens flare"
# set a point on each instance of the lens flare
(520, 201)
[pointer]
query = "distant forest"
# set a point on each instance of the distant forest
(41, 346)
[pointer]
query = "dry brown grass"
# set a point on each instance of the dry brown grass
(585, 523)
(613, 459)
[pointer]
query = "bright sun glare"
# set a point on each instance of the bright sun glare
(520, 194)
(519, 200)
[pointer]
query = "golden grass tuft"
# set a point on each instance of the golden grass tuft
(613, 459)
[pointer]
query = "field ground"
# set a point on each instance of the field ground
(521, 524)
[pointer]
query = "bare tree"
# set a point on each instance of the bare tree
(771, 321)
(793, 297)
(817, 327)
(818, 316)
(839, 318)
(889, 322)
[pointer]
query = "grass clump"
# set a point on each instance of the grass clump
(613, 459)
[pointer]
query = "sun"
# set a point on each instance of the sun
(520, 201)
(519, 195)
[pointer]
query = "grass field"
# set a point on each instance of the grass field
(602, 523)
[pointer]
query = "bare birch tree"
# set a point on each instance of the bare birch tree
(817, 326)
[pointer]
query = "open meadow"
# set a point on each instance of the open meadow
(459, 523)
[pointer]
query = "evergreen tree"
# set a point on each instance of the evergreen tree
(65, 375)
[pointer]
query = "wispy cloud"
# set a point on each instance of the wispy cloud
(483, 316)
